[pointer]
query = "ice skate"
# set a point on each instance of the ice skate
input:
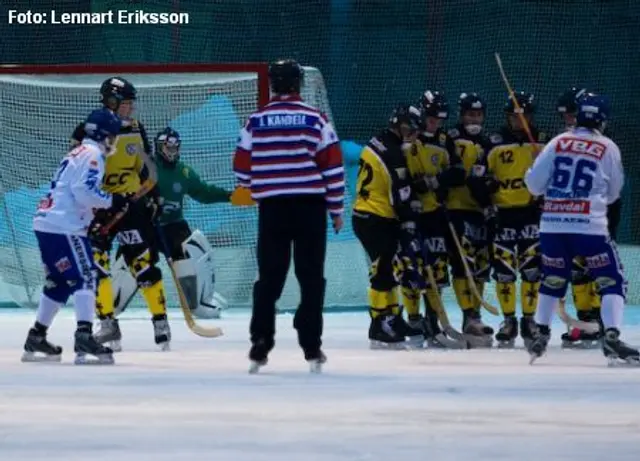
(527, 327)
(86, 346)
(575, 338)
(539, 339)
(386, 332)
(616, 351)
(258, 356)
(315, 361)
(38, 349)
(414, 330)
(476, 332)
(162, 333)
(109, 333)
(507, 333)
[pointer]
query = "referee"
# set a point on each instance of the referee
(288, 157)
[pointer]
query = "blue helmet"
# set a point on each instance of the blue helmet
(593, 110)
(101, 124)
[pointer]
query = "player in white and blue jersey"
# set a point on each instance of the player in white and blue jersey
(580, 173)
(60, 225)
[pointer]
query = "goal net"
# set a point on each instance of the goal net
(207, 105)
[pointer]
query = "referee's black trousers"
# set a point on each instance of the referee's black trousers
(297, 223)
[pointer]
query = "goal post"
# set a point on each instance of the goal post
(207, 104)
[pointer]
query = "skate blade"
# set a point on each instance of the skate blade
(441, 341)
(164, 347)
(254, 366)
(115, 346)
(533, 357)
(617, 362)
(454, 334)
(85, 359)
(479, 342)
(315, 367)
(581, 345)
(382, 346)
(31, 357)
(415, 342)
(507, 344)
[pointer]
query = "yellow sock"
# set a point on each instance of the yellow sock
(104, 298)
(581, 296)
(155, 298)
(476, 302)
(465, 298)
(594, 295)
(411, 300)
(529, 297)
(393, 303)
(506, 292)
(377, 302)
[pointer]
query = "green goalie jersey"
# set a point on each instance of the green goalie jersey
(176, 181)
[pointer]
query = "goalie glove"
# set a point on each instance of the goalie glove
(241, 196)
(153, 202)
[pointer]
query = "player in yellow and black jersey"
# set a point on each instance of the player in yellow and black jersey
(435, 168)
(382, 216)
(468, 220)
(125, 173)
(516, 243)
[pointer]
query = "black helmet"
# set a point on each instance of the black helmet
(405, 115)
(285, 76)
(167, 145)
(525, 102)
(115, 90)
(434, 104)
(568, 101)
(471, 101)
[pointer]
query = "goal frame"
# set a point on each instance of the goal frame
(261, 69)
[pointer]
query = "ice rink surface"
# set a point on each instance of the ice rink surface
(198, 403)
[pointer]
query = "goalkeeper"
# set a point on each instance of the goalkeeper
(190, 251)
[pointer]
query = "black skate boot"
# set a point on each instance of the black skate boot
(38, 349)
(162, 332)
(575, 338)
(538, 341)
(86, 345)
(507, 333)
(476, 332)
(315, 360)
(258, 355)
(387, 332)
(109, 333)
(414, 330)
(617, 351)
(527, 325)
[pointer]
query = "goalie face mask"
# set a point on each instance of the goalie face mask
(167, 144)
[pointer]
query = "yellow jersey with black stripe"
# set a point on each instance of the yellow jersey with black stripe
(124, 168)
(470, 149)
(511, 155)
(431, 155)
(383, 186)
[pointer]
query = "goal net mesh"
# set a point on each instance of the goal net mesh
(207, 109)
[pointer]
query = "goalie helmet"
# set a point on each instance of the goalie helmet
(526, 103)
(115, 90)
(102, 124)
(285, 76)
(593, 111)
(568, 101)
(167, 146)
(434, 104)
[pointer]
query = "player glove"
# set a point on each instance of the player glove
(491, 218)
(426, 184)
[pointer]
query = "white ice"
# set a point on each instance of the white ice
(198, 403)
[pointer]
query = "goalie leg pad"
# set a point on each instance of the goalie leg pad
(199, 270)
(124, 285)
